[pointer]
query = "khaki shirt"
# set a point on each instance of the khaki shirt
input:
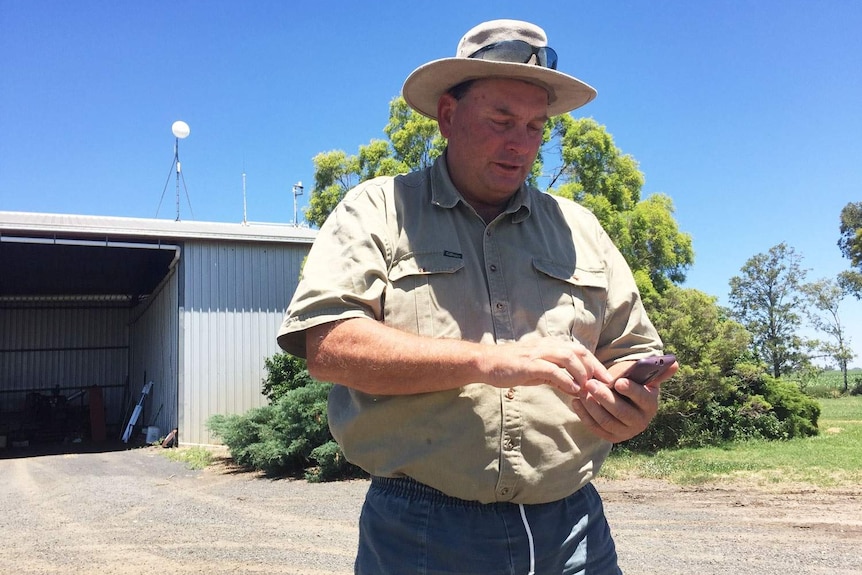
(409, 252)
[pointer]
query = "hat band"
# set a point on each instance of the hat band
(517, 52)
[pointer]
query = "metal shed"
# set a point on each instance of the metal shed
(93, 308)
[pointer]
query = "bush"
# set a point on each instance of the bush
(291, 435)
(721, 392)
(749, 404)
(284, 373)
(331, 464)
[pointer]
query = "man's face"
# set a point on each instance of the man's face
(494, 133)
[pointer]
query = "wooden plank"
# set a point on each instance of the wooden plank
(97, 413)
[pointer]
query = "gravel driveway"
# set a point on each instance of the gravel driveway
(136, 512)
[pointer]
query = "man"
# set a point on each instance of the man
(476, 330)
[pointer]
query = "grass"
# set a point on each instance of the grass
(831, 459)
(193, 457)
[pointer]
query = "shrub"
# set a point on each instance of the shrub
(749, 404)
(284, 373)
(291, 435)
(721, 392)
(331, 464)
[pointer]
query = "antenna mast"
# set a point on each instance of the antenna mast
(244, 215)
(181, 131)
(297, 191)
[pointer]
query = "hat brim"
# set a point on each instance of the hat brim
(427, 83)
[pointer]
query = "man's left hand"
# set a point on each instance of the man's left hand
(620, 411)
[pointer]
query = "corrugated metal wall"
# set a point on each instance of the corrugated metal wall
(154, 356)
(232, 301)
(56, 347)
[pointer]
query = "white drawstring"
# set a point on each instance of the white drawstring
(530, 539)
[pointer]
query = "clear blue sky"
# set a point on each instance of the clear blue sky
(746, 113)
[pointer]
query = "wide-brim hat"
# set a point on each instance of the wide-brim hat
(428, 82)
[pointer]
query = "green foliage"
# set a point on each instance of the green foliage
(249, 438)
(415, 139)
(852, 282)
(291, 435)
(657, 245)
(334, 173)
(720, 394)
(331, 464)
(746, 405)
(850, 241)
(592, 165)
(707, 343)
(284, 373)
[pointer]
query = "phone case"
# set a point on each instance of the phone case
(647, 369)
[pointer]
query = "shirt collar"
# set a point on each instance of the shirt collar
(446, 195)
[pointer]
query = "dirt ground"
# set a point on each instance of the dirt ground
(135, 512)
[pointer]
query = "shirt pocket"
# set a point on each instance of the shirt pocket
(573, 304)
(425, 294)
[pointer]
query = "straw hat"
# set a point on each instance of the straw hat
(497, 49)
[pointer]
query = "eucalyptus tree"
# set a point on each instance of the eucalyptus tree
(850, 244)
(825, 297)
(766, 299)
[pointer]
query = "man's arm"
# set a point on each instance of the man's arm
(368, 356)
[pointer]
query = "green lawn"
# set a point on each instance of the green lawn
(831, 459)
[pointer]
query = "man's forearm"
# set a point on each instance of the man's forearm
(373, 358)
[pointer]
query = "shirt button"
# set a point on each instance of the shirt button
(504, 491)
(493, 268)
(510, 394)
(500, 305)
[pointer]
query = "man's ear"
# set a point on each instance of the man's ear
(445, 108)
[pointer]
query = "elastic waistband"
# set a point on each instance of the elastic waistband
(409, 488)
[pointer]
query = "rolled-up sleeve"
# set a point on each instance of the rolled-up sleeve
(345, 273)
(628, 333)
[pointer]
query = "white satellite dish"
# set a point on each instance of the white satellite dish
(180, 129)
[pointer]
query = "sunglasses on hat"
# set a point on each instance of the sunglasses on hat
(516, 52)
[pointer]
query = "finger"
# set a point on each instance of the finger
(609, 409)
(560, 378)
(609, 415)
(645, 397)
(579, 407)
(583, 366)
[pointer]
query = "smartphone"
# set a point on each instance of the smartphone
(647, 369)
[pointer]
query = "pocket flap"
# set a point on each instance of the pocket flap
(421, 263)
(576, 276)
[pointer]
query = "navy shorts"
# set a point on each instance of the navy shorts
(409, 528)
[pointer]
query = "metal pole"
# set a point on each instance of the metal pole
(177, 158)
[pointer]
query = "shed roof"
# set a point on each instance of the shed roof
(74, 257)
(24, 223)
